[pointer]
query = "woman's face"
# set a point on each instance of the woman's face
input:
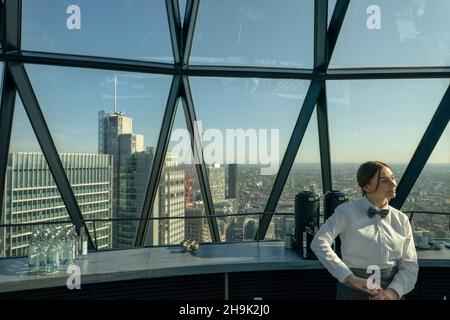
(387, 186)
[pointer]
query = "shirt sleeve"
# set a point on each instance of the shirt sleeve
(321, 245)
(408, 268)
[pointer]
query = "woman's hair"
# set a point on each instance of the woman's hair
(367, 171)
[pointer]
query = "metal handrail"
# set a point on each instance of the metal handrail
(9, 225)
(411, 212)
(145, 219)
(425, 212)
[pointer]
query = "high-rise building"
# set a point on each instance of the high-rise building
(132, 166)
(134, 173)
(130, 143)
(197, 228)
(171, 202)
(250, 227)
(110, 126)
(131, 169)
(31, 195)
(224, 209)
(216, 175)
(233, 182)
(235, 229)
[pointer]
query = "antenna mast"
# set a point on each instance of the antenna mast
(115, 94)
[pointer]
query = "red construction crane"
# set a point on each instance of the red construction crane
(187, 186)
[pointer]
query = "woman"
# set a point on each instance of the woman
(374, 236)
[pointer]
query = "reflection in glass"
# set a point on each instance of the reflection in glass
(109, 121)
(246, 125)
(254, 33)
(385, 33)
(377, 120)
(120, 29)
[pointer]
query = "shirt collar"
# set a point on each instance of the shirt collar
(367, 204)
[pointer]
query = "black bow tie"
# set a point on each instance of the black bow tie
(372, 212)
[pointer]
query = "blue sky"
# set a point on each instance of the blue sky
(368, 119)
(103, 30)
(412, 33)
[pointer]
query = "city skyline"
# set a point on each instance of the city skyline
(104, 195)
(69, 125)
(441, 146)
(430, 193)
(381, 119)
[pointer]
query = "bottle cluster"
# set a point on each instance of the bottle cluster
(54, 248)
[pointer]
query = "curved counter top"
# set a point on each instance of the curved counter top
(142, 263)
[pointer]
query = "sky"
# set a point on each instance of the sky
(102, 30)
(368, 119)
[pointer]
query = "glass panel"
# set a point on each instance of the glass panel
(431, 193)
(107, 125)
(182, 8)
(179, 192)
(331, 6)
(120, 29)
(305, 175)
(254, 33)
(246, 125)
(377, 120)
(385, 33)
(31, 193)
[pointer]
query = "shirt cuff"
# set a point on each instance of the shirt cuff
(343, 274)
(398, 288)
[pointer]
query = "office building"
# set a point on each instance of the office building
(233, 181)
(217, 182)
(171, 201)
(31, 195)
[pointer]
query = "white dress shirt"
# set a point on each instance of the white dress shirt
(368, 241)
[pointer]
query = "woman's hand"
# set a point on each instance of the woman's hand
(361, 284)
(388, 294)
